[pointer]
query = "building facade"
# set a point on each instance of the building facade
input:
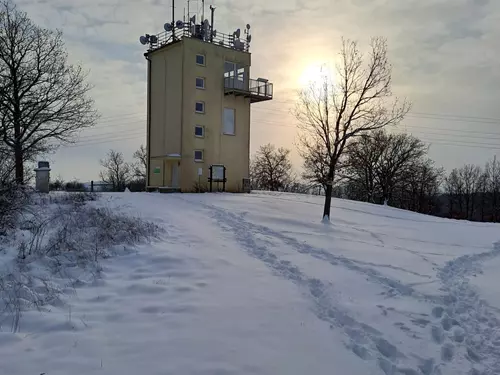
(199, 99)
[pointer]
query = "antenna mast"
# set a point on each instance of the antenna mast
(173, 12)
(173, 19)
(212, 10)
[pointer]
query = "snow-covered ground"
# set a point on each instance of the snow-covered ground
(256, 284)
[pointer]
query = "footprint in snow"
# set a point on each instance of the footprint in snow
(437, 312)
(447, 352)
(437, 334)
(458, 334)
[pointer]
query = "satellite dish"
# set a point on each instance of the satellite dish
(193, 19)
(248, 26)
(168, 27)
(249, 38)
(179, 24)
(237, 33)
(239, 45)
(143, 40)
(153, 39)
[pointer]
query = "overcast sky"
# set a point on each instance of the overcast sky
(445, 60)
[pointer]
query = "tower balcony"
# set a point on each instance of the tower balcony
(258, 90)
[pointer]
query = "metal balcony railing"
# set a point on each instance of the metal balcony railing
(257, 90)
(196, 31)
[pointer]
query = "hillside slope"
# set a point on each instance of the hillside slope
(256, 284)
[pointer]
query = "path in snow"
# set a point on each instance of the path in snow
(462, 325)
(468, 325)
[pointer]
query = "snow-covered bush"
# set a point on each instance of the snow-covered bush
(13, 201)
(58, 246)
(66, 198)
(91, 233)
(21, 290)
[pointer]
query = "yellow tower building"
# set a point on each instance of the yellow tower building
(199, 98)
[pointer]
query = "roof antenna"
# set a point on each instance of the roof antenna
(173, 19)
(203, 9)
(212, 9)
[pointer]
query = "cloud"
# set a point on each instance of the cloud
(444, 55)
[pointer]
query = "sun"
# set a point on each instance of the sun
(313, 73)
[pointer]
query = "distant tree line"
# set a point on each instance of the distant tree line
(393, 169)
(116, 175)
(385, 168)
(119, 174)
(349, 150)
(473, 193)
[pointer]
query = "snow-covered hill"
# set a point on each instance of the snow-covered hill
(256, 284)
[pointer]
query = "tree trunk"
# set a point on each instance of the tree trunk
(472, 205)
(328, 196)
(385, 194)
(495, 208)
(18, 155)
(482, 205)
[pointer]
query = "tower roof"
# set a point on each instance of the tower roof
(203, 31)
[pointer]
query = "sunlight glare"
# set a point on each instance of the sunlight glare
(313, 73)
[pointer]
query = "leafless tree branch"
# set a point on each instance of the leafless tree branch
(356, 101)
(43, 99)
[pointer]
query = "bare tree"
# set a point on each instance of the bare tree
(463, 185)
(141, 162)
(454, 190)
(419, 187)
(316, 165)
(380, 166)
(400, 154)
(470, 176)
(355, 102)
(492, 170)
(116, 171)
(7, 166)
(483, 192)
(362, 158)
(43, 98)
(271, 168)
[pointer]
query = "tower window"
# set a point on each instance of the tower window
(200, 107)
(199, 131)
(228, 126)
(200, 60)
(198, 155)
(200, 83)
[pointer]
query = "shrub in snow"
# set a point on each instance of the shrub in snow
(65, 198)
(91, 233)
(13, 202)
(20, 291)
(59, 243)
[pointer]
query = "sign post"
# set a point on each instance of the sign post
(217, 174)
